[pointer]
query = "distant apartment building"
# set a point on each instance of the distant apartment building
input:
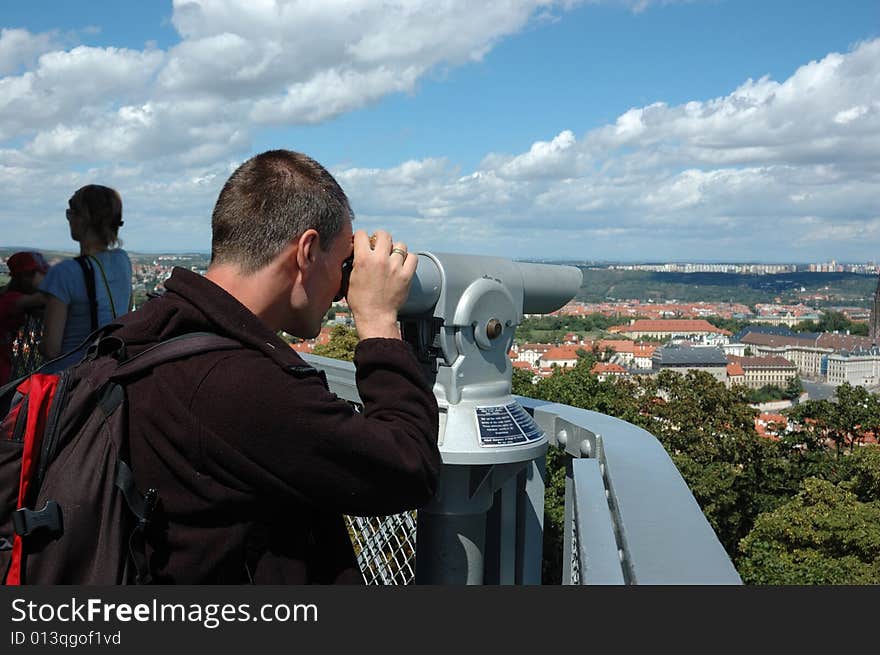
(668, 329)
(681, 359)
(761, 371)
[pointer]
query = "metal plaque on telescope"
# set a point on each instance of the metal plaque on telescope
(506, 425)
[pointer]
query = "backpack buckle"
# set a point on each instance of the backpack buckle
(27, 521)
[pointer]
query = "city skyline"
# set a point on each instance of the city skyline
(871, 266)
(621, 131)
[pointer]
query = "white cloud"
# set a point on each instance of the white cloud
(555, 158)
(767, 160)
(744, 168)
(249, 62)
(19, 48)
(71, 86)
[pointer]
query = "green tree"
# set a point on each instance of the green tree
(825, 535)
(766, 394)
(522, 382)
(846, 422)
(793, 389)
(736, 476)
(343, 341)
(832, 321)
(859, 473)
(709, 431)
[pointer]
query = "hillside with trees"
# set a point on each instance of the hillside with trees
(602, 284)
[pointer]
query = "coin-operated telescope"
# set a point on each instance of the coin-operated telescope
(460, 316)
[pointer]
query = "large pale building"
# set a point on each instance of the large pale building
(811, 353)
(859, 367)
(761, 371)
(668, 329)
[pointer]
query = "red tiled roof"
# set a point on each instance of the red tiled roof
(524, 365)
(734, 369)
(618, 345)
(669, 325)
(560, 353)
(761, 339)
(768, 425)
(603, 367)
(761, 362)
(624, 346)
(536, 347)
(842, 341)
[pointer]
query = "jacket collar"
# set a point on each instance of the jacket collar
(229, 316)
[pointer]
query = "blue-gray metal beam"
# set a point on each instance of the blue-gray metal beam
(598, 553)
(664, 536)
(530, 523)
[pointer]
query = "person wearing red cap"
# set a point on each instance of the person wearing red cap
(26, 270)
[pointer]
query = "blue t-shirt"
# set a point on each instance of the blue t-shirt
(65, 281)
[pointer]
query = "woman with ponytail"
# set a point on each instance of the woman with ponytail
(87, 292)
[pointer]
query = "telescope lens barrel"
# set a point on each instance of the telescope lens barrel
(424, 291)
(547, 287)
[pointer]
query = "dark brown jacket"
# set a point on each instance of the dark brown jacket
(255, 460)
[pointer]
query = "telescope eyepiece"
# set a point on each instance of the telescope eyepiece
(346, 275)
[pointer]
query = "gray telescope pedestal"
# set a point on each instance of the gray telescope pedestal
(461, 316)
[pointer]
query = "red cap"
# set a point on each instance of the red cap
(23, 262)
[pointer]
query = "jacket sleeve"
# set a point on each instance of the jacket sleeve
(270, 432)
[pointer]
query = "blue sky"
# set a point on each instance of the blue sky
(719, 130)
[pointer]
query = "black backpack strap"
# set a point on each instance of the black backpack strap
(141, 506)
(106, 285)
(89, 275)
(185, 345)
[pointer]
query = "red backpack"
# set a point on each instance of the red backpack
(69, 509)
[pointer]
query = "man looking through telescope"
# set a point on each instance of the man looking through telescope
(255, 461)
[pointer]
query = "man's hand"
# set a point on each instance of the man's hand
(379, 283)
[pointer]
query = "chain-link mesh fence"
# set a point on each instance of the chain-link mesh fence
(385, 547)
(575, 548)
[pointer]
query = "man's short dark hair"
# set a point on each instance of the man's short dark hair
(269, 201)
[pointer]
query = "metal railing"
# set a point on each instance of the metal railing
(630, 518)
(629, 515)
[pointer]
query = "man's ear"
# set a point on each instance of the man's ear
(308, 245)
